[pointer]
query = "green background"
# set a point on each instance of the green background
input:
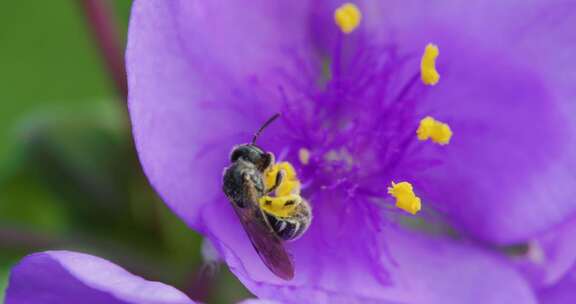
(69, 178)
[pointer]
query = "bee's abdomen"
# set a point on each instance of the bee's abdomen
(293, 227)
(285, 229)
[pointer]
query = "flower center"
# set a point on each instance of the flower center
(360, 128)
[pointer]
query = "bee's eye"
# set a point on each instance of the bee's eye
(235, 155)
(248, 152)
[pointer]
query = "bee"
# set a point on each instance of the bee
(270, 214)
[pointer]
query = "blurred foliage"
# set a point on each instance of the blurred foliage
(69, 176)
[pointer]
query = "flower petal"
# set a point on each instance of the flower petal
(71, 277)
(508, 172)
(561, 293)
(258, 301)
(423, 271)
(343, 259)
(203, 75)
(550, 255)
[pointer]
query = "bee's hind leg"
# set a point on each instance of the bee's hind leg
(280, 206)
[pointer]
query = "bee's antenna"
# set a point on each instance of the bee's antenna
(266, 124)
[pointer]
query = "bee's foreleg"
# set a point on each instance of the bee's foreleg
(277, 182)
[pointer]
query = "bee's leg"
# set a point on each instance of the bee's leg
(278, 181)
(282, 206)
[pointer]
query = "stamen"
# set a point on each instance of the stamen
(437, 131)
(304, 156)
(428, 71)
(405, 197)
(347, 17)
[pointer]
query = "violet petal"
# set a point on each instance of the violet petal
(550, 255)
(426, 270)
(56, 277)
(197, 71)
(507, 91)
(562, 293)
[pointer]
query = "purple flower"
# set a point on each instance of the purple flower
(497, 170)
(60, 277)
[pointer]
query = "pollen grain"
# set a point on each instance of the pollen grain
(435, 130)
(347, 17)
(428, 72)
(287, 194)
(304, 156)
(290, 183)
(405, 197)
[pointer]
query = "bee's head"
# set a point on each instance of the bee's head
(252, 153)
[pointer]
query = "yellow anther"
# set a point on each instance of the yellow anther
(347, 17)
(437, 131)
(282, 206)
(428, 71)
(290, 183)
(405, 197)
(304, 156)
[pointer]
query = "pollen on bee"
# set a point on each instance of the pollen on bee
(289, 184)
(304, 156)
(428, 72)
(282, 206)
(435, 130)
(405, 197)
(347, 17)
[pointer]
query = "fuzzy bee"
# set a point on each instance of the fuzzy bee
(266, 198)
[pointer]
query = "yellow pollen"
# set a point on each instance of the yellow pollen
(347, 17)
(287, 194)
(437, 131)
(428, 71)
(282, 206)
(290, 183)
(304, 156)
(405, 197)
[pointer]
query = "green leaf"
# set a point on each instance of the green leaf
(48, 58)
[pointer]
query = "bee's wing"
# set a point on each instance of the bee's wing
(267, 244)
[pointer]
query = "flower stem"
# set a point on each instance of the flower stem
(12, 237)
(100, 17)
